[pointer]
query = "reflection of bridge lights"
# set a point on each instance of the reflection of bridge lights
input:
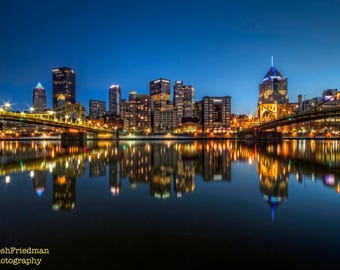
(31, 174)
(7, 179)
(51, 166)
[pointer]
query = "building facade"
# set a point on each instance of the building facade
(139, 112)
(273, 95)
(64, 86)
(97, 108)
(216, 113)
(165, 120)
(184, 99)
(273, 88)
(39, 98)
(115, 98)
(159, 93)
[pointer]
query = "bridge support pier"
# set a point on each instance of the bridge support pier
(257, 135)
(73, 139)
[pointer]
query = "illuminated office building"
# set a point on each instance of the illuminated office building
(115, 98)
(139, 115)
(273, 89)
(97, 108)
(165, 119)
(64, 86)
(216, 113)
(184, 99)
(39, 98)
(159, 93)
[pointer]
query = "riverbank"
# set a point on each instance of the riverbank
(214, 136)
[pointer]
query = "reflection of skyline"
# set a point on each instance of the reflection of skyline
(39, 181)
(273, 177)
(64, 192)
(170, 168)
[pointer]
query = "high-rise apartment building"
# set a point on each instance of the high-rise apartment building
(97, 108)
(160, 93)
(39, 98)
(184, 99)
(139, 112)
(115, 98)
(64, 86)
(273, 88)
(216, 113)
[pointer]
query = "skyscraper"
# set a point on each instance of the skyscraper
(64, 86)
(97, 108)
(184, 100)
(139, 112)
(273, 95)
(160, 93)
(39, 98)
(273, 88)
(216, 113)
(115, 98)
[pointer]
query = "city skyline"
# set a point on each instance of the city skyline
(221, 48)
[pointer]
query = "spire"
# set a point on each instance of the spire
(272, 61)
(39, 86)
(273, 72)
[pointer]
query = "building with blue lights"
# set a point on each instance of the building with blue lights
(273, 89)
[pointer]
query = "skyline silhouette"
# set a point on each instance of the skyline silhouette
(219, 47)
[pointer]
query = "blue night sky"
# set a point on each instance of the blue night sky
(220, 47)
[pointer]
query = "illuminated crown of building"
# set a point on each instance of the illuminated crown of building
(39, 86)
(273, 73)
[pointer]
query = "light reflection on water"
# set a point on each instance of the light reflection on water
(253, 201)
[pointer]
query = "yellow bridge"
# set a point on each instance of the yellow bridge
(47, 119)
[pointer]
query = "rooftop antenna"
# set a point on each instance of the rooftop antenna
(272, 61)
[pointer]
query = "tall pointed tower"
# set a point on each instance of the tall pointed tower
(273, 88)
(39, 98)
(272, 94)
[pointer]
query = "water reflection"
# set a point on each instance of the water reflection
(170, 168)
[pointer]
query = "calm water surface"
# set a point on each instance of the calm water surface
(171, 204)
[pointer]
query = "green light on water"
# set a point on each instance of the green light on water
(329, 163)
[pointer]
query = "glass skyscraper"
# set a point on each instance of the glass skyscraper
(115, 98)
(64, 86)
